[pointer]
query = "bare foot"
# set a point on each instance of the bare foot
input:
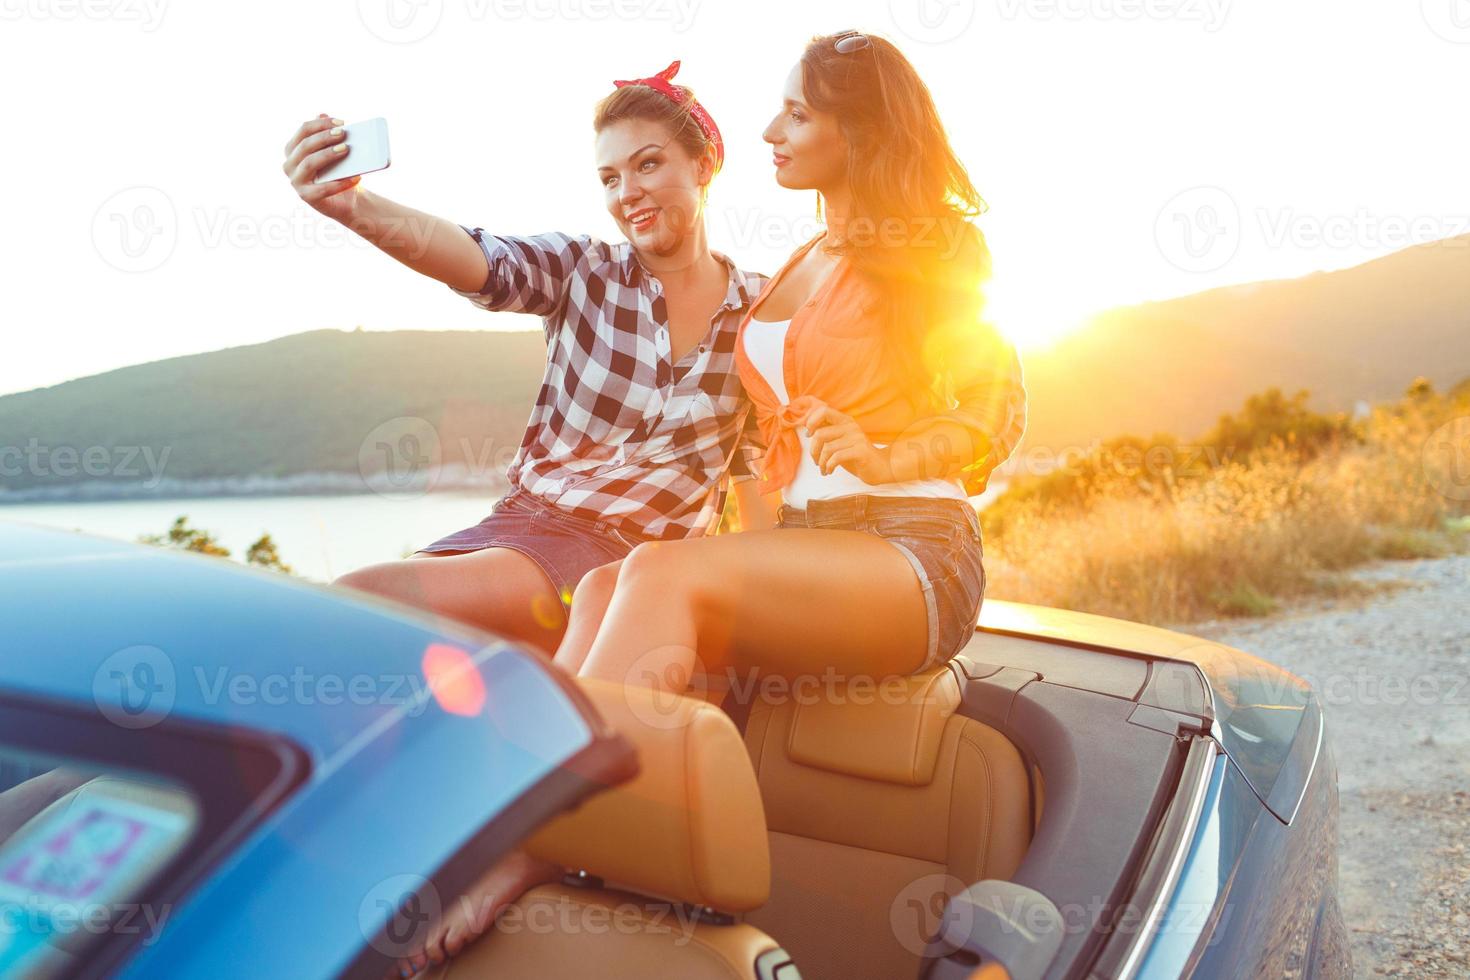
(472, 914)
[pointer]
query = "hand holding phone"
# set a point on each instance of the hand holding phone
(367, 151)
(313, 149)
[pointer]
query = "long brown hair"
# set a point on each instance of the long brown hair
(908, 231)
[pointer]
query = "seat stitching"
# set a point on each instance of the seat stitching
(760, 762)
(688, 784)
(765, 740)
(989, 800)
(919, 734)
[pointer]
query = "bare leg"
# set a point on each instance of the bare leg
(801, 601)
(494, 589)
(589, 606)
(472, 914)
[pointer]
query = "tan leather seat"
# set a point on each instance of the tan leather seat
(880, 802)
(680, 843)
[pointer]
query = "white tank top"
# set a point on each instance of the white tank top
(765, 345)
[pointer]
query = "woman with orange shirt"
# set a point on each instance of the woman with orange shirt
(884, 401)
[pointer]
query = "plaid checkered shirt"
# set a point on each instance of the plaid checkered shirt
(620, 432)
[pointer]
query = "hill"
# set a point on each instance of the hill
(1362, 333)
(303, 405)
(307, 411)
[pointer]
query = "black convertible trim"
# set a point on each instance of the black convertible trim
(1108, 780)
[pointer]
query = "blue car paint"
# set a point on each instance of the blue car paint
(309, 886)
(1233, 912)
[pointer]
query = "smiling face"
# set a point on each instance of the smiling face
(808, 146)
(651, 184)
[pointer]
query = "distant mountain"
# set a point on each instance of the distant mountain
(1174, 366)
(288, 414)
(314, 411)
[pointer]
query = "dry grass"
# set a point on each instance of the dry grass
(1246, 535)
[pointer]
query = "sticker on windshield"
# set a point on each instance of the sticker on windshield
(78, 862)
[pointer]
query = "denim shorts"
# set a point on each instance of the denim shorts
(939, 536)
(564, 545)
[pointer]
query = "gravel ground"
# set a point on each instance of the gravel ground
(1393, 672)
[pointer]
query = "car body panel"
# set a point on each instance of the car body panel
(231, 644)
(1256, 897)
(1265, 718)
(404, 774)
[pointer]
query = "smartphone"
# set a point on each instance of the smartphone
(368, 151)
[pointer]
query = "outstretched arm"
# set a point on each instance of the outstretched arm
(433, 246)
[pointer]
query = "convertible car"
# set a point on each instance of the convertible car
(214, 771)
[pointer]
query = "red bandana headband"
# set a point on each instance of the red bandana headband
(660, 83)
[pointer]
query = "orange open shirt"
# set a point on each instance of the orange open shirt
(835, 354)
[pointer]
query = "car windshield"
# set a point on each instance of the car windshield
(79, 848)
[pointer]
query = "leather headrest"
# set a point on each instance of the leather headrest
(690, 826)
(888, 730)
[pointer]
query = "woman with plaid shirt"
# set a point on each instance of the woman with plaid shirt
(640, 408)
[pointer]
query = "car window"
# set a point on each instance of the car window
(78, 849)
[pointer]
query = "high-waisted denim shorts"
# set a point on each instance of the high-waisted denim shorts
(940, 537)
(564, 545)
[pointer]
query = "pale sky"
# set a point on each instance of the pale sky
(1128, 149)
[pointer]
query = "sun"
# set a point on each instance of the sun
(1036, 316)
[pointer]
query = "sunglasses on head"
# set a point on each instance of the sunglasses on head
(850, 42)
